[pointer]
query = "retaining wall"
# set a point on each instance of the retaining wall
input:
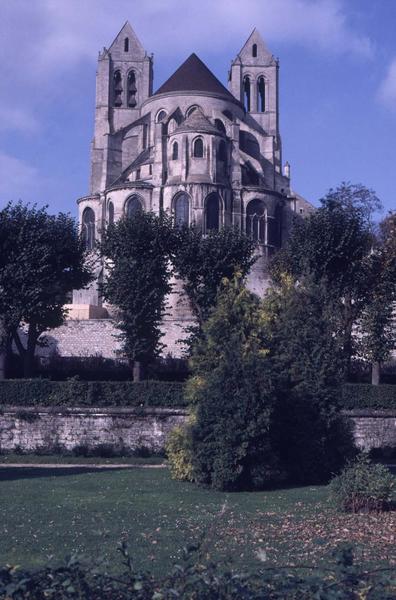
(52, 429)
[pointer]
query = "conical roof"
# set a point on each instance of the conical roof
(197, 121)
(193, 76)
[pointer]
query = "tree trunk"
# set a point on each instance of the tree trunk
(375, 372)
(137, 370)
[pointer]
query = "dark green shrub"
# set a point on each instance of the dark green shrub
(73, 392)
(232, 397)
(363, 486)
(365, 395)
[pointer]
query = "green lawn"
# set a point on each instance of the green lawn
(58, 459)
(46, 515)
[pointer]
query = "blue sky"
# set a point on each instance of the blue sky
(337, 84)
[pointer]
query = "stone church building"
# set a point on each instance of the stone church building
(201, 152)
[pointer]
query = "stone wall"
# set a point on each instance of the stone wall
(373, 428)
(51, 429)
(55, 428)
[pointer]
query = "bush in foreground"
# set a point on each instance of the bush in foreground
(341, 579)
(363, 486)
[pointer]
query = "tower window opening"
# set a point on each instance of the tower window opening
(88, 228)
(246, 94)
(220, 126)
(198, 149)
(126, 45)
(175, 151)
(117, 89)
(261, 95)
(254, 50)
(161, 116)
(132, 89)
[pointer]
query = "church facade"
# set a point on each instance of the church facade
(203, 153)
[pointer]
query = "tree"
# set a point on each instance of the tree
(333, 247)
(136, 281)
(42, 259)
(377, 325)
(203, 261)
(309, 435)
(232, 396)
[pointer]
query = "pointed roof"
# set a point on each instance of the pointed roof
(196, 121)
(193, 76)
(135, 47)
(263, 54)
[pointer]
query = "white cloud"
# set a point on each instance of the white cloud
(17, 179)
(387, 90)
(53, 35)
(18, 119)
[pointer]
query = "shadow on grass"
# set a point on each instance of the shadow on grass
(14, 473)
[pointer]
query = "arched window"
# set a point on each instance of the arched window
(222, 152)
(117, 89)
(88, 228)
(261, 94)
(254, 50)
(198, 148)
(134, 204)
(172, 125)
(182, 210)
(175, 151)
(190, 110)
(246, 93)
(161, 116)
(220, 125)
(256, 220)
(132, 89)
(212, 213)
(126, 45)
(111, 213)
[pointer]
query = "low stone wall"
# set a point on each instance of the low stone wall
(373, 428)
(57, 429)
(52, 429)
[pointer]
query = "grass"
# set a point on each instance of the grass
(47, 515)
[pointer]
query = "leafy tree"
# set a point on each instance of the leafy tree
(136, 281)
(377, 325)
(203, 261)
(333, 247)
(232, 396)
(309, 435)
(42, 259)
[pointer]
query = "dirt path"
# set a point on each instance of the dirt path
(78, 466)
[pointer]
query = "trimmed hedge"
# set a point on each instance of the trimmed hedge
(365, 395)
(44, 392)
(73, 392)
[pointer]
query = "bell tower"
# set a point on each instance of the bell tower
(124, 80)
(253, 80)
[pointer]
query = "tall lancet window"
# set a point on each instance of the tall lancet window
(254, 50)
(88, 228)
(117, 89)
(126, 45)
(111, 214)
(256, 221)
(134, 205)
(261, 94)
(247, 93)
(212, 216)
(132, 89)
(182, 210)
